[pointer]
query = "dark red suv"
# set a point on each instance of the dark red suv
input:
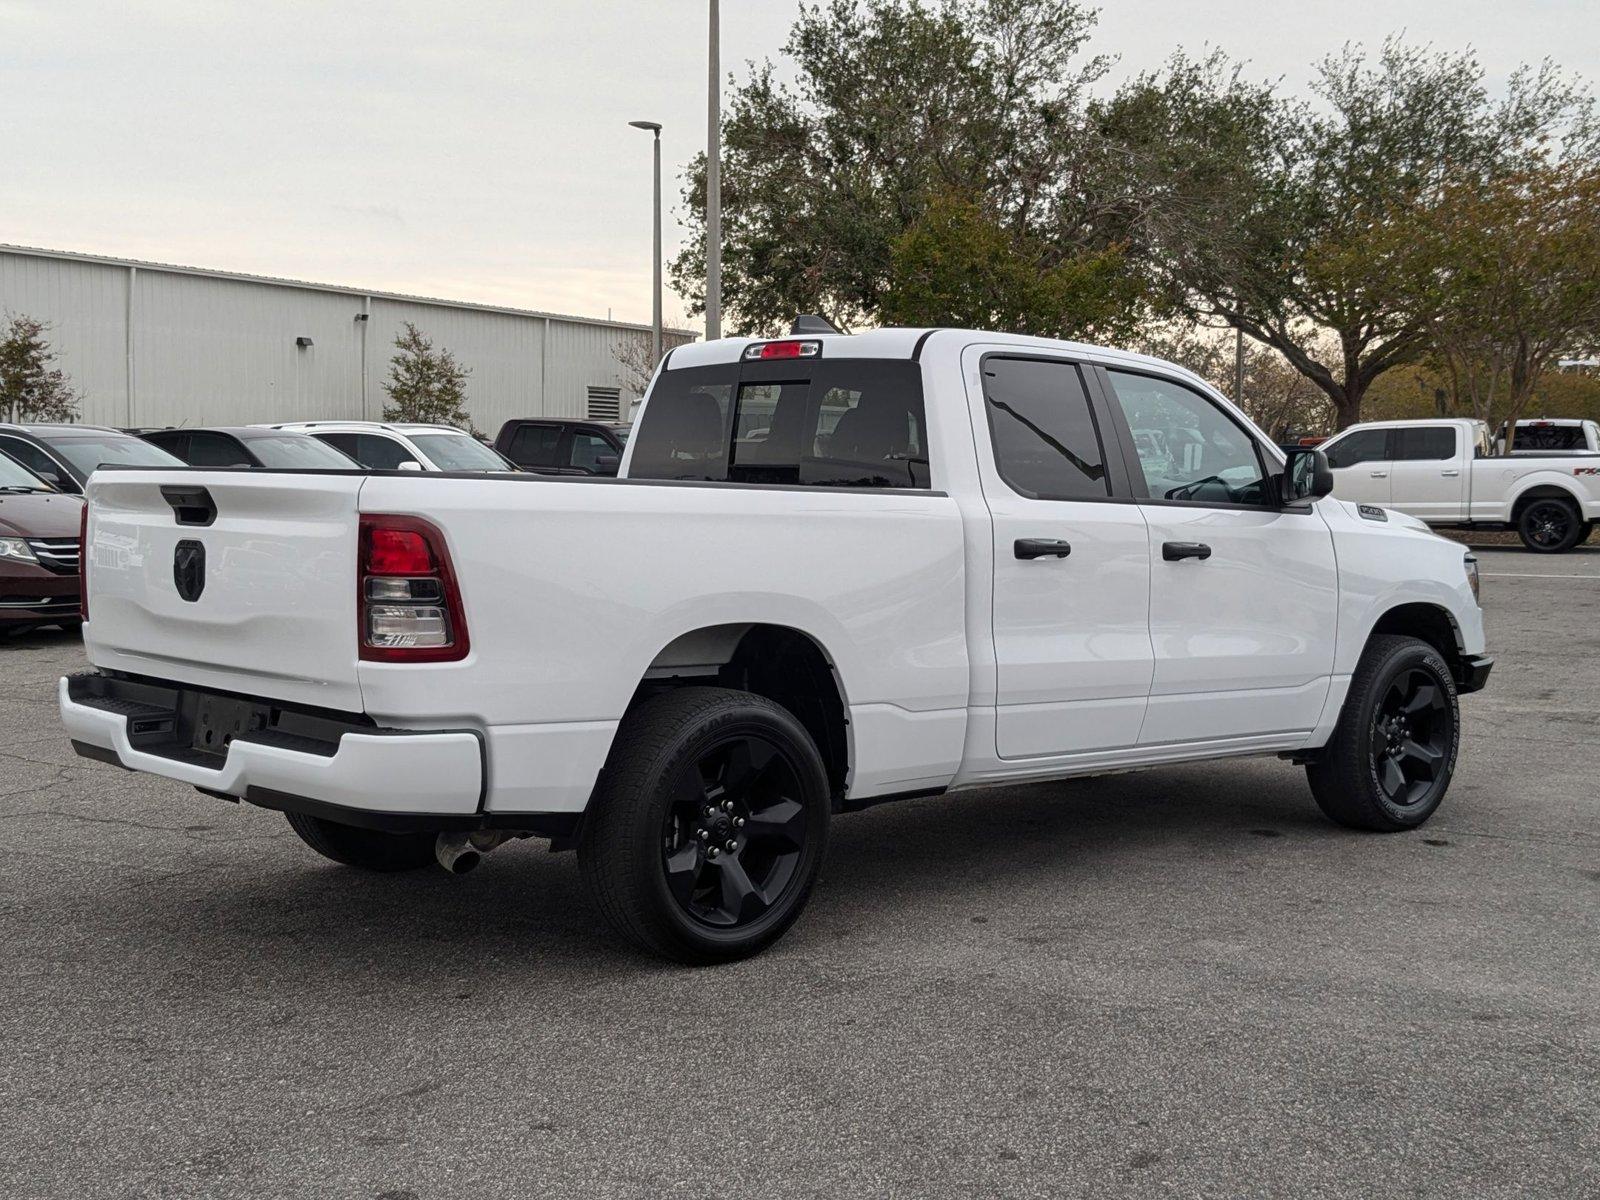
(39, 551)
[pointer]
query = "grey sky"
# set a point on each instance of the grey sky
(481, 151)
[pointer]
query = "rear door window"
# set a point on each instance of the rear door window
(1430, 443)
(1046, 445)
(838, 423)
(536, 446)
(37, 461)
(370, 450)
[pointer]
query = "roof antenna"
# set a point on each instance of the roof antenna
(812, 323)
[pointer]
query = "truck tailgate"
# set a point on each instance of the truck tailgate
(240, 581)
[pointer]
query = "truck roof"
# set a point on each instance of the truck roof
(895, 342)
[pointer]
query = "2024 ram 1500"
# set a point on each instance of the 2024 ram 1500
(1446, 473)
(834, 571)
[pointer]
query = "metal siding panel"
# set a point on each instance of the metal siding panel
(213, 351)
(217, 349)
(85, 304)
(502, 351)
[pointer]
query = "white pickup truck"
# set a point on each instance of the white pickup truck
(834, 571)
(1445, 473)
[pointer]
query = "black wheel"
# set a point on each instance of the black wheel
(1551, 526)
(370, 849)
(1389, 762)
(707, 830)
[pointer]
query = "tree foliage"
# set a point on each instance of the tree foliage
(1300, 222)
(32, 388)
(915, 139)
(1518, 267)
(425, 384)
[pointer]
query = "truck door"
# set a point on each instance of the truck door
(1361, 461)
(1243, 593)
(1428, 473)
(1071, 562)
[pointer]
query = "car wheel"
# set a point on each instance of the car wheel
(1391, 757)
(369, 849)
(1550, 526)
(707, 830)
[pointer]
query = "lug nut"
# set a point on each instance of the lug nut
(711, 853)
(739, 822)
(730, 846)
(710, 812)
(701, 834)
(727, 806)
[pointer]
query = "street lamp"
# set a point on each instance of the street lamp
(655, 244)
(714, 183)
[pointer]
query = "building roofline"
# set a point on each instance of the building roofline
(107, 260)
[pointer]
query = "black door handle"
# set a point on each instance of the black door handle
(1173, 551)
(1041, 548)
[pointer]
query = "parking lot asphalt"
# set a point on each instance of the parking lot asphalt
(1182, 982)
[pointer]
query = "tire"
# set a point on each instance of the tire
(369, 849)
(1401, 715)
(649, 850)
(1550, 525)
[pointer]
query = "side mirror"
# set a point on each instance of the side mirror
(410, 465)
(1306, 475)
(606, 464)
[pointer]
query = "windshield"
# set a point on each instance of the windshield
(14, 475)
(458, 452)
(86, 452)
(293, 451)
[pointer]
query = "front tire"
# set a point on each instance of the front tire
(707, 830)
(369, 849)
(1393, 752)
(1551, 526)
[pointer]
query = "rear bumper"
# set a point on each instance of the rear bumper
(319, 764)
(1472, 672)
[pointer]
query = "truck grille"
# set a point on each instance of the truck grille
(58, 554)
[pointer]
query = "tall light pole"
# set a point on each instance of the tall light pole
(714, 185)
(655, 247)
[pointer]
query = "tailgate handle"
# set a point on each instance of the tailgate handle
(191, 505)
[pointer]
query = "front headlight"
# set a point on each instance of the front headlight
(1471, 564)
(16, 548)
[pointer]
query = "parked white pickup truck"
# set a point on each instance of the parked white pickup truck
(1444, 473)
(834, 571)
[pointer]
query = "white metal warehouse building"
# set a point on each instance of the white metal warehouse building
(148, 344)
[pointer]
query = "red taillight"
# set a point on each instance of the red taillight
(398, 552)
(408, 607)
(83, 561)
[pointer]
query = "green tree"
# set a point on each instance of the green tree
(426, 384)
(31, 387)
(1519, 277)
(914, 136)
(1301, 222)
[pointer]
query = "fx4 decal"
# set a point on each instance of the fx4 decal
(1586, 470)
(1372, 512)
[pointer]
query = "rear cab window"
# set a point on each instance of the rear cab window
(806, 422)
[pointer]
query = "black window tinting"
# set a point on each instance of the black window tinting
(840, 423)
(1430, 444)
(1046, 445)
(1367, 445)
(535, 445)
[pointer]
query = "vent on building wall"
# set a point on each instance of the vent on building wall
(605, 404)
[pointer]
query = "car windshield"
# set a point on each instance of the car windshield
(14, 475)
(88, 451)
(293, 451)
(458, 452)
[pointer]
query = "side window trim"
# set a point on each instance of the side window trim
(1125, 436)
